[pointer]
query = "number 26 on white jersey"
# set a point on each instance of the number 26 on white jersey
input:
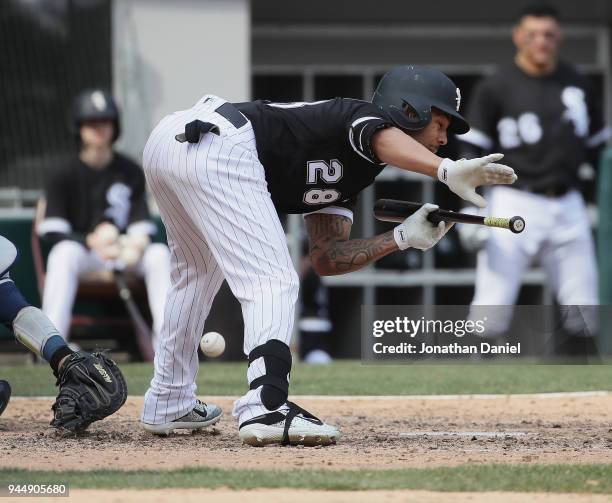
(526, 129)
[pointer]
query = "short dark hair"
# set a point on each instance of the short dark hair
(538, 10)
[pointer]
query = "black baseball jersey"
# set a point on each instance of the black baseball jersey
(543, 125)
(80, 197)
(316, 154)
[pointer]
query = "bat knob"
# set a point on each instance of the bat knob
(516, 224)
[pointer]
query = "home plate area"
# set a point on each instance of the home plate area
(395, 431)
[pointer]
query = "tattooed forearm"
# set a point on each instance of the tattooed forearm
(349, 256)
(332, 252)
(327, 226)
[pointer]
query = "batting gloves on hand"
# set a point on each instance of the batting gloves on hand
(464, 175)
(418, 232)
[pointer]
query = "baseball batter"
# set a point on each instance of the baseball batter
(221, 171)
(540, 112)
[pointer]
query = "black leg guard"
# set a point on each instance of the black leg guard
(275, 382)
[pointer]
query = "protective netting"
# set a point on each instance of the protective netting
(50, 51)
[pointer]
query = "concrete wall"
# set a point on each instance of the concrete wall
(168, 54)
(470, 36)
(392, 12)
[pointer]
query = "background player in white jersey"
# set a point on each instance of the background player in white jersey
(88, 193)
(91, 386)
(220, 172)
(540, 112)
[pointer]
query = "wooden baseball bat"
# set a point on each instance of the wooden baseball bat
(143, 332)
(394, 210)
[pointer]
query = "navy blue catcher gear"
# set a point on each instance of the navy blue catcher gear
(5, 395)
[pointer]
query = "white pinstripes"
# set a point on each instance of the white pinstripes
(221, 224)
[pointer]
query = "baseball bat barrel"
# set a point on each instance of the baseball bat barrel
(393, 210)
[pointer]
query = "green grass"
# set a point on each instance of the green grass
(353, 378)
(521, 478)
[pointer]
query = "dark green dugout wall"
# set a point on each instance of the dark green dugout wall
(604, 247)
(604, 242)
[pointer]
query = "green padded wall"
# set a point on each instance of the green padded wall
(604, 235)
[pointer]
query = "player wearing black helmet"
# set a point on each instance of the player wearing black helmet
(97, 215)
(94, 105)
(221, 171)
(408, 94)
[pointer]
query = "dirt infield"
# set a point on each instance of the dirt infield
(466, 431)
(296, 495)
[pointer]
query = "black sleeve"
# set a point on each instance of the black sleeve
(362, 121)
(482, 114)
(57, 226)
(599, 132)
(343, 208)
(348, 204)
(56, 195)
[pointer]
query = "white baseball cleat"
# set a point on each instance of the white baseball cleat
(289, 425)
(200, 416)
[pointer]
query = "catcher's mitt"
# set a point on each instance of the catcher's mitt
(91, 388)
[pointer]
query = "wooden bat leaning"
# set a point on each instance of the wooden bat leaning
(394, 210)
(143, 332)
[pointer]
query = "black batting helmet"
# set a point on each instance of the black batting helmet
(95, 104)
(418, 89)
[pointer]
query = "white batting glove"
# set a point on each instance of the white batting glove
(417, 232)
(464, 175)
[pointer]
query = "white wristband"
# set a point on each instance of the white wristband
(443, 170)
(401, 237)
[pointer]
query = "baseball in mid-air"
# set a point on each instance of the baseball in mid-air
(212, 344)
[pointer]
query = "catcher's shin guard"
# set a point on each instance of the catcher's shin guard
(33, 329)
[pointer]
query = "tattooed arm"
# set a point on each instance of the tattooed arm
(331, 250)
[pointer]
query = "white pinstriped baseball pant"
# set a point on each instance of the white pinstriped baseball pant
(558, 233)
(221, 224)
